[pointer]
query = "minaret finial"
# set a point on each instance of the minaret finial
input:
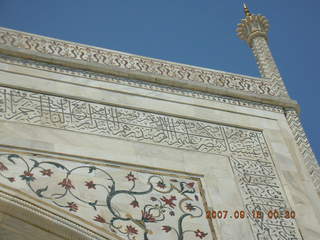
(246, 10)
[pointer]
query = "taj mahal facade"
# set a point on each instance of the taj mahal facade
(101, 144)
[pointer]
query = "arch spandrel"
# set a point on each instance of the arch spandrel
(81, 200)
(23, 218)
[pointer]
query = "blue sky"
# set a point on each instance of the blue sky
(200, 33)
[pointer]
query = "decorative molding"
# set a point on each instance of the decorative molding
(137, 83)
(300, 136)
(250, 157)
(28, 212)
(136, 64)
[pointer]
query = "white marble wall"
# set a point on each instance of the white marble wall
(250, 133)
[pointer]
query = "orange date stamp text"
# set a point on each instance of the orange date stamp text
(256, 214)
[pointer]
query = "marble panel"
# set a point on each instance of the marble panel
(122, 201)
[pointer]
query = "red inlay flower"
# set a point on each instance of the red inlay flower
(134, 203)
(11, 179)
(147, 217)
(166, 228)
(132, 230)
(200, 234)
(161, 185)
(72, 207)
(131, 177)
(46, 172)
(3, 167)
(98, 218)
(66, 183)
(90, 185)
(190, 184)
(169, 201)
(28, 176)
(190, 207)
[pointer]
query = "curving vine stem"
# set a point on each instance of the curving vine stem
(167, 198)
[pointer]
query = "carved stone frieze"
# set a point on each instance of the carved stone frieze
(137, 83)
(69, 50)
(105, 120)
(309, 158)
(249, 155)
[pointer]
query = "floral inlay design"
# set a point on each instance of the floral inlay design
(131, 204)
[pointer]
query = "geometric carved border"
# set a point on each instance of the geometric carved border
(250, 158)
(300, 136)
(262, 192)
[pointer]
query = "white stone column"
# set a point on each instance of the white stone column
(254, 30)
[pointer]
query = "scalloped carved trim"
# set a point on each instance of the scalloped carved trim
(137, 83)
(133, 63)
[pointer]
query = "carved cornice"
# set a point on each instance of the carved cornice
(101, 60)
(137, 83)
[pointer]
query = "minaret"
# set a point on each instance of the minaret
(254, 30)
